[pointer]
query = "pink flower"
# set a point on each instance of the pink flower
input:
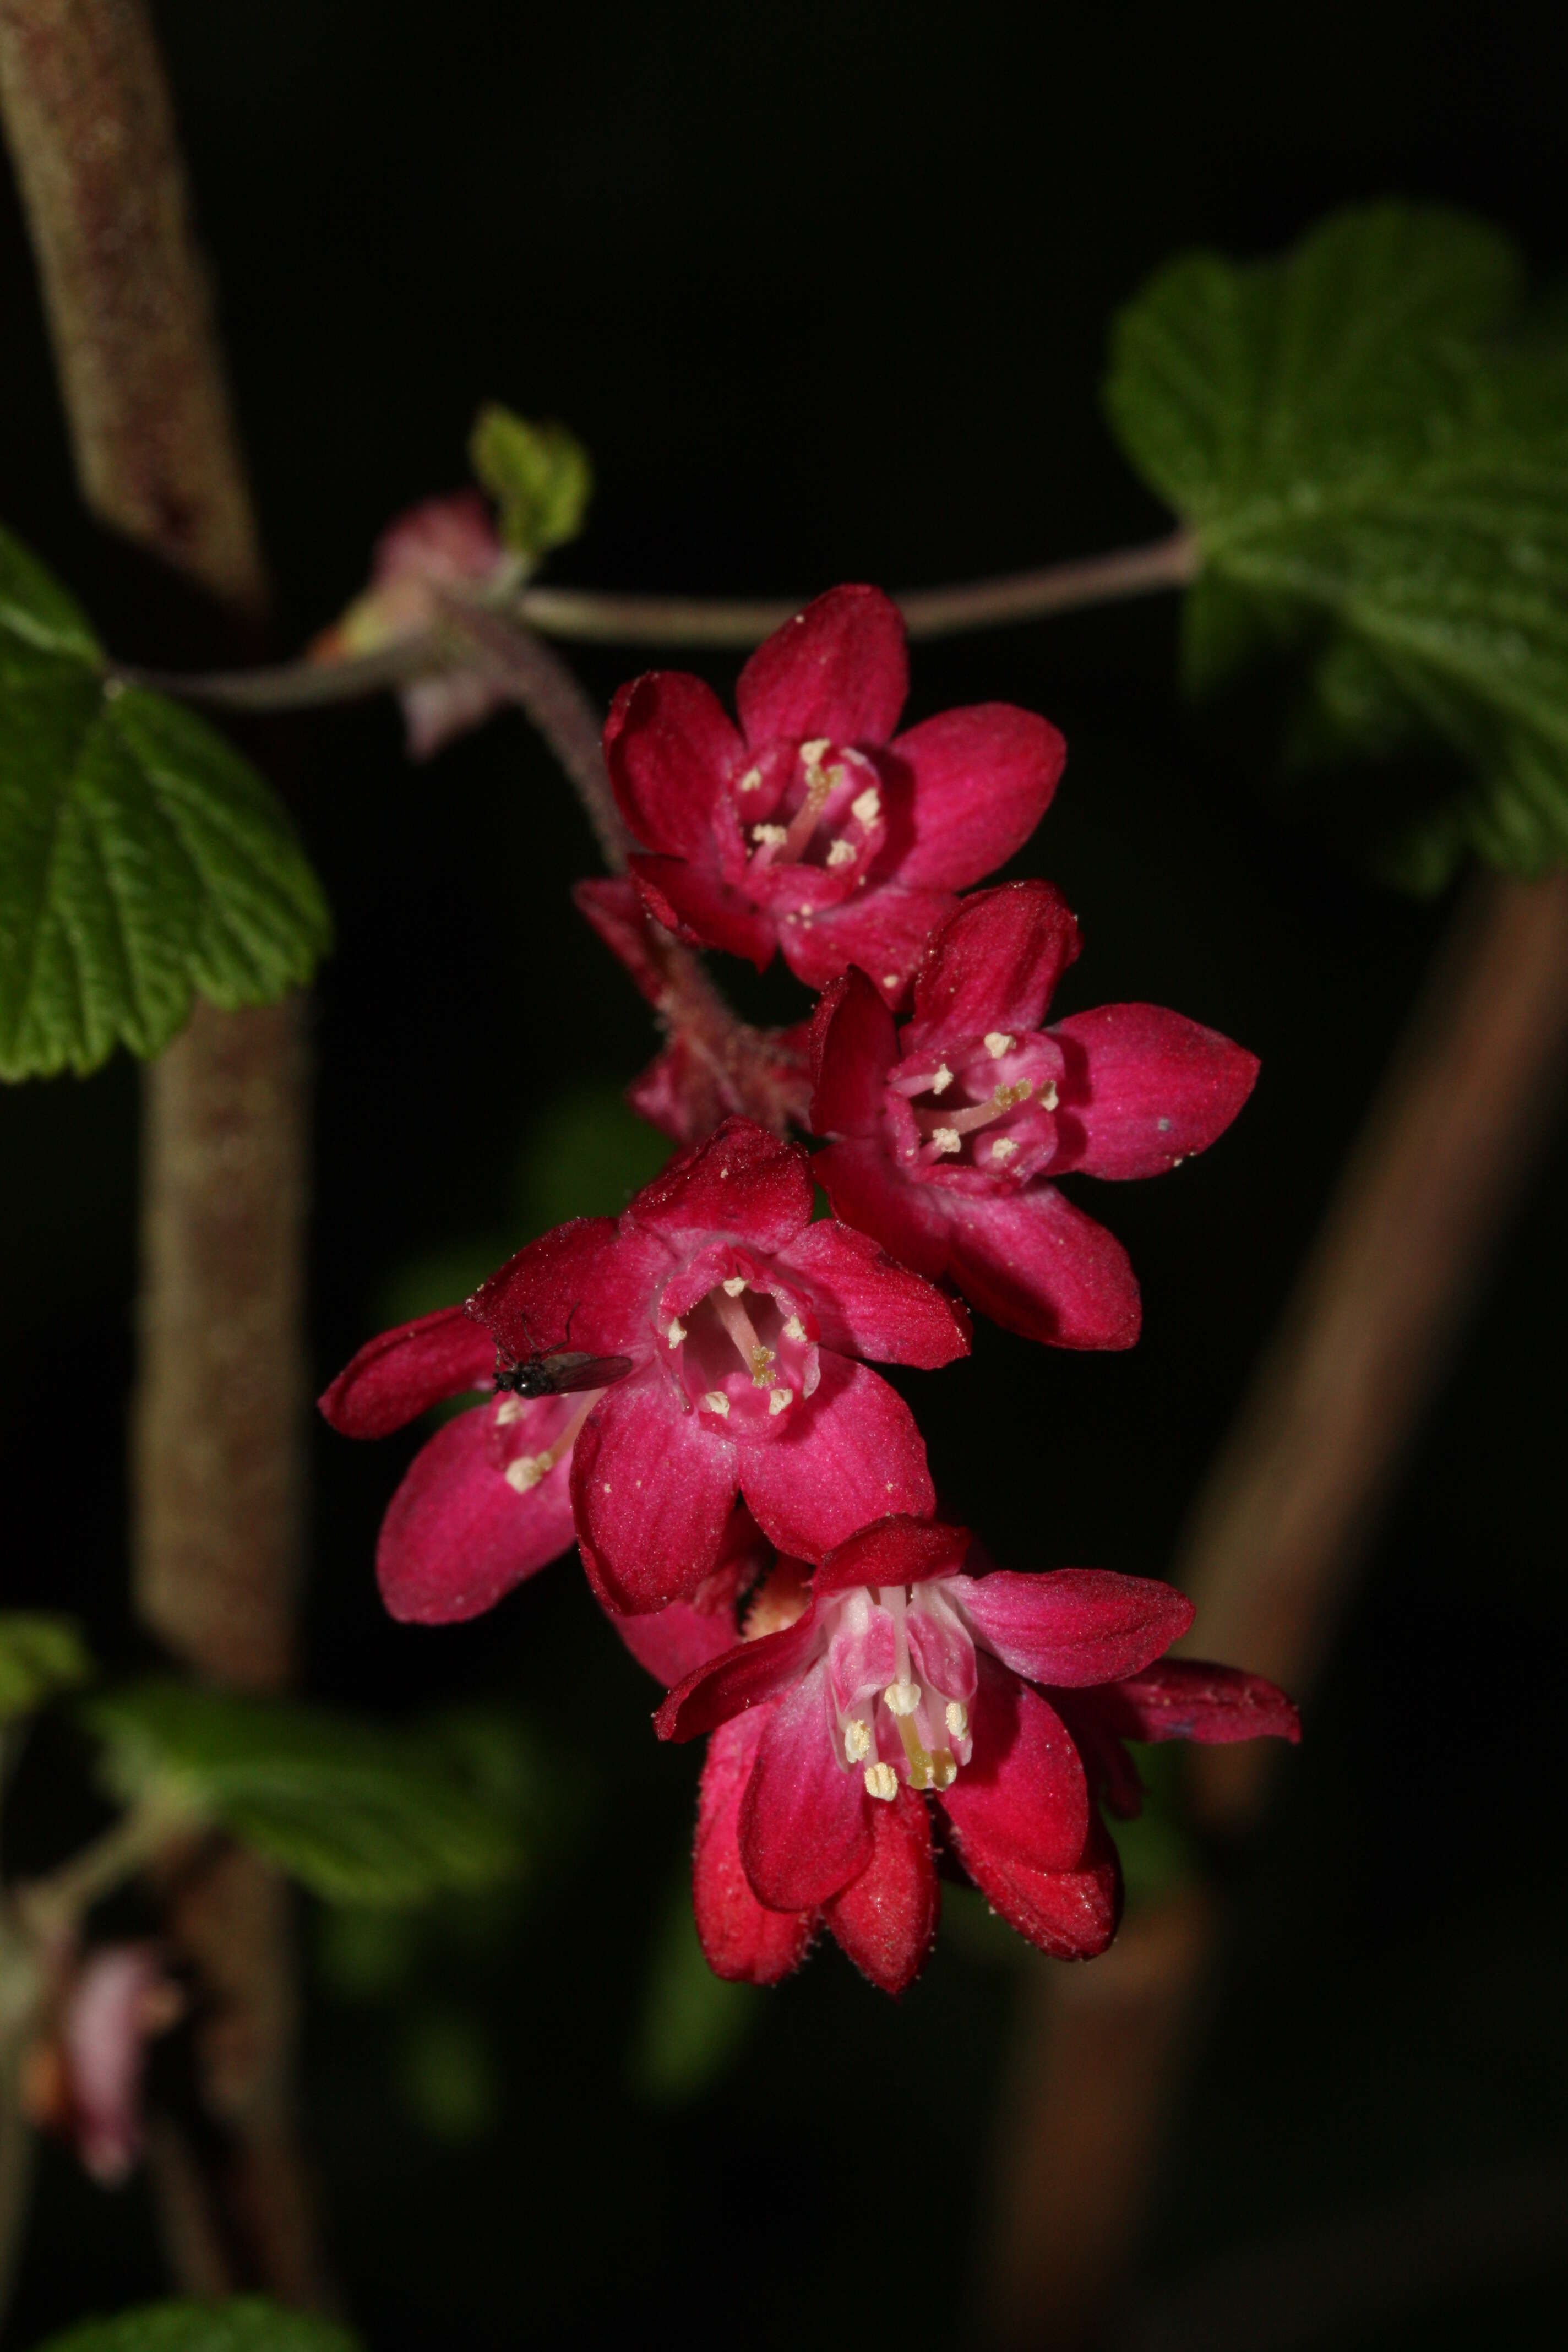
(811, 827)
(83, 2079)
(741, 1324)
(486, 1501)
(442, 544)
(904, 1678)
(950, 1132)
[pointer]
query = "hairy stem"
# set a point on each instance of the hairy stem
(591, 616)
(15, 2171)
(219, 1412)
(1281, 1524)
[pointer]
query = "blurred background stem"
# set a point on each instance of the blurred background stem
(220, 1411)
(1280, 1529)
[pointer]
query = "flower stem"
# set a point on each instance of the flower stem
(220, 1403)
(593, 616)
(1280, 1529)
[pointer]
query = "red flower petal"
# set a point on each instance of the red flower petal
(897, 1550)
(676, 1641)
(885, 930)
(396, 1376)
(651, 1493)
(748, 1675)
(995, 965)
(803, 1825)
(839, 669)
(867, 1305)
(1070, 1914)
(1075, 1625)
(613, 905)
(1185, 1698)
(703, 909)
(457, 1536)
(586, 1286)
(984, 778)
(669, 746)
(1143, 1089)
(1023, 1797)
(741, 1939)
(853, 1455)
(886, 1919)
(910, 1221)
(740, 1180)
(1036, 1263)
(854, 1044)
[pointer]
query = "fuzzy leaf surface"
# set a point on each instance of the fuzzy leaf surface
(142, 861)
(244, 2324)
(1373, 460)
(356, 1812)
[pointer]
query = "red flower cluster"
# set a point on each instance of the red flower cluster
(685, 1389)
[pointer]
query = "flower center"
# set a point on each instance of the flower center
(827, 815)
(743, 1354)
(985, 1106)
(908, 1730)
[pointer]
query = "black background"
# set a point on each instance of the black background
(826, 291)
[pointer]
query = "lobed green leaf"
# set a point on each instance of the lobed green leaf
(539, 475)
(246, 2324)
(1375, 467)
(142, 860)
(357, 1813)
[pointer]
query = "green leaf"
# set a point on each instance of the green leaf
(247, 2324)
(359, 1815)
(1375, 465)
(539, 475)
(39, 1654)
(142, 860)
(693, 2023)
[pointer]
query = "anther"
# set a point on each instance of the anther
(997, 1043)
(956, 1717)
(733, 1284)
(762, 1375)
(815, 752)
(943, 1080)
(882, 1781)
(841, 852)
(523, 1474)
(1003, 1148)
(795, 1328)
(771, 836)
(1050, 1098)
(509, 1409)
(941, 1771)
(717, 1401)
(752, 782)
(947, 1139)
(779, 1399)
(857, 1739)
(901, 1698)
(676, 1331)
(867, 807)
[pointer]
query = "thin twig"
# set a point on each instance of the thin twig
(1283, 1521)
(16, 2171)
(593, 616)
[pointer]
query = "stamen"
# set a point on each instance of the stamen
(523, 1474)
(943, 1080)
(867, 807)
(857, 1739)
(965, 1123)
(771, 836)
(1003, 1148)
(881, 1781)
(956, 1717)
(780, 1399)
(841, 852)
(947, 1139)
(733, 1284)
(742, 1335)
(761, 1358)
(1050, 1098)
(794, 1329)
(676, 1332)
(997, 1043)
(509, 1409)
(752, 782)
(717, 1401)
(901, 1698)
(816, 752)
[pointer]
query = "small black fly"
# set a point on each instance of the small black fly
(541, 1376)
